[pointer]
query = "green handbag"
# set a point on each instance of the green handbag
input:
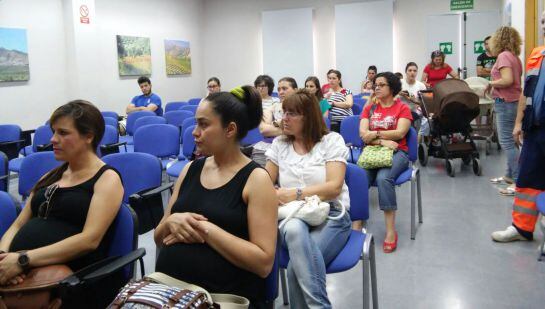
(376, 157)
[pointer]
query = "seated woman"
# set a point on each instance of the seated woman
(312, 85)
(219, 230)
(265, 86)
(340, 100)
(213, 85)
(271, 124)
(68, 216)
(308, 160)
(386, 123)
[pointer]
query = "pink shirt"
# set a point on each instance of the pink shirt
(507, 59)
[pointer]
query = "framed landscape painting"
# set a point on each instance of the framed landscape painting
(13, 55)
(178, 57)
(133, 55)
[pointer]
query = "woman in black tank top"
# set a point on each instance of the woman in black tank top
(220, 228)
(70, 210)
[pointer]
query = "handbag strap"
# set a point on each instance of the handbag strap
(168, 280)
(292, 214)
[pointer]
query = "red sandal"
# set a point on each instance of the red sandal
(389, 247)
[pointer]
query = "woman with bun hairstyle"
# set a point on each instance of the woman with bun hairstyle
(219, 230)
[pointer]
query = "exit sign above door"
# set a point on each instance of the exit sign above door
(456, 5)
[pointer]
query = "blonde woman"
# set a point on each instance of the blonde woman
(505, 87)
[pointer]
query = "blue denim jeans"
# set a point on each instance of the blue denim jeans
(506, 113)
(385, 180)
(311, 249)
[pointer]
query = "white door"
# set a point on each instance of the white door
(446, 31)
(479, 25)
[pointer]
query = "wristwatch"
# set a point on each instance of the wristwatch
(23, 261)
(298, 194)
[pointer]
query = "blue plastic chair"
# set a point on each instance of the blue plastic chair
(412, 174)
(139, 171)
(327, 122)
(110, 142)
(111, 122)
(177, 117)
(360, 245)
(173, 106)
(144, 121)
(131, 119)
(350, 131)
(274, 94)
(10, 140)
(252, 137)
(186, 124)
(42, 138)
(4, 172)
(191, 108)
(194, 101)
(110, 114)
(33, 167)
(360, 102)
(356, 109)
(160, 140)
(124, 238)
(541, 208)
(8, 212)
(174, 169)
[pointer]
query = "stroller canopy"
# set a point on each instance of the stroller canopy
(455, 105)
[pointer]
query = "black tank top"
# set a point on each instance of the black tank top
(67, 215)
(200, 264)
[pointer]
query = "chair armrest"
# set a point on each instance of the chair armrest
(349, 145)
(103, 268)
(45, 147)
(3, 177)
(19, 141)
(110, 146)
(153, 191)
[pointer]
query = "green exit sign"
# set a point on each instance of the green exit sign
(478, 47)
(456, 5)
(446, 48)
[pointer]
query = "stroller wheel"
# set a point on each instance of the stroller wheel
(477, 167)
(466, 159)
(423, 154)
(450, 168)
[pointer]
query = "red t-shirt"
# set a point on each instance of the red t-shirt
(437, 75)
(385, 119)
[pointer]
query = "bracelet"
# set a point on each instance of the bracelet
(298, 194)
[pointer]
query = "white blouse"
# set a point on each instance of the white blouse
(299, 171)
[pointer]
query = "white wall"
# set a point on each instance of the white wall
(29, 104)
(69, 60)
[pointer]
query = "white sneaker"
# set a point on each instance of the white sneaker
(510, 234)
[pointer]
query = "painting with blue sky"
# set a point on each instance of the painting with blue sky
(13, 55)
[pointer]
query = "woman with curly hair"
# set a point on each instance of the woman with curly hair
(505, 86)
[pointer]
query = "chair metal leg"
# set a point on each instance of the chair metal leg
(365, 273)
(541, 253)
(369, 271)
(413, 215)
(285, 295)
(419, 196)
(373, 267)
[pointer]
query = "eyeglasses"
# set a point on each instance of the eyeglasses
(212, 86)
(290, 115)
(381, 85)
(262, 86)
(45, 206)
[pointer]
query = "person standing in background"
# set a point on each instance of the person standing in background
(485, 61)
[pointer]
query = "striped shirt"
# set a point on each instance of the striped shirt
(337, 114)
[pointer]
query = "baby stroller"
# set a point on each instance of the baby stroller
(450, 107)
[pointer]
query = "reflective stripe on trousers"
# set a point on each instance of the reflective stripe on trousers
(525, 211)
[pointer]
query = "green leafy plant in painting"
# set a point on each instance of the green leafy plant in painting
(133, 55)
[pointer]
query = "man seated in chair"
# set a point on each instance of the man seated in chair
(147, 101)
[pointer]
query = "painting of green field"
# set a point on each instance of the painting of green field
(133, 55)
(13, 55)
(178, 57)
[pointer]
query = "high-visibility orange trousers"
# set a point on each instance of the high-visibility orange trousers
(525, 211)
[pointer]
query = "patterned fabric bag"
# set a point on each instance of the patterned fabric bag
(376, 157)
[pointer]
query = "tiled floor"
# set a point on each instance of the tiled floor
(452, 263)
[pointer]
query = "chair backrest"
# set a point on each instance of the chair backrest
(360, 102)
(191, 108)
(4, 171)
(144, 121)
(177, 117)
(252, 137)
(42, 136)
(350, 130)
(110, 114)
(327, 122)
(274, 94)
(8, 212)
(412, 143)
(160, 140)
(132, 117)
(356, 109)
(173, 106)
(139, 171)
(111, 121)
(110, 135)
(33, 167)
(9, 132)
(356, 180)
(194, 101)
(124, 237)
(189, 142)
